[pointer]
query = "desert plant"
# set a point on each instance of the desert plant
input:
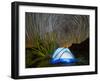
(43, 48)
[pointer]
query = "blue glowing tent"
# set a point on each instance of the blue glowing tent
(63, 55)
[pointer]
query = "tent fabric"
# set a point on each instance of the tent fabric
(63, 55)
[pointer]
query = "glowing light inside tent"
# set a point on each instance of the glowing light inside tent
(63, 55)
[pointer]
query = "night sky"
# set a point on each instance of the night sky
(70, 29)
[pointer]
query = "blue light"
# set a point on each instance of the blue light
(63, 55)
(64, 60)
